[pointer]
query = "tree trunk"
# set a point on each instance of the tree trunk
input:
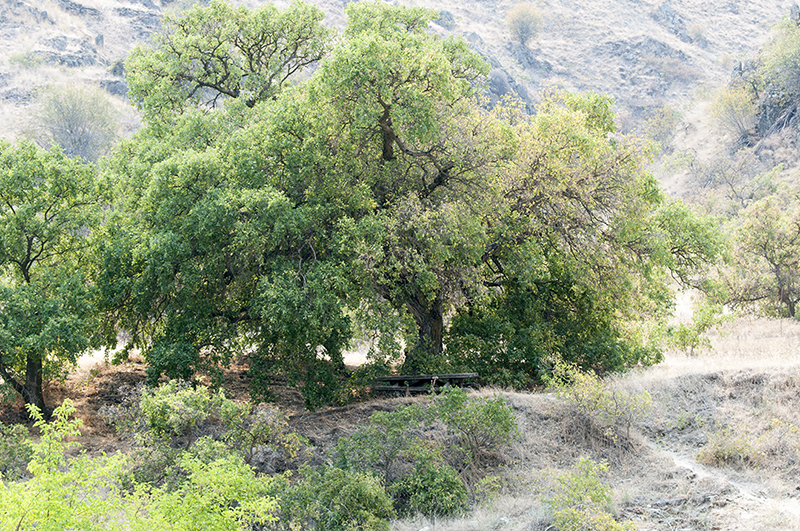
(31, 390)
(430, 325)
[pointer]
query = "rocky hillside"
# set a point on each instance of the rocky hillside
(643, 52)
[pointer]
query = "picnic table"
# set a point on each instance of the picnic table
(421, 383)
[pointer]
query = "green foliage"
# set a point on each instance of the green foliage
(377, 191)
(382, 443)
(524, 21)
(432, 488)
(580, 255)
(734, 109)
(206, 425)
(224, 494)
(15, 451)
(79, 119)
(690, 337)
(250, 429)
(176, 408)
(660, 127)
(428, 459)
(25, 59)
(731, 446)
(583, 502)
(47, 204)
(598, 404)
(482, 425)
(766, 276)
(219, 491)
(332, 499)
(214, 52)
(61, 494)
(48, 454)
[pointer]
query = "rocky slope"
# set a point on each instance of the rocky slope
(645, 53)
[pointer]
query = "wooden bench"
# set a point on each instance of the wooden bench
(420, 383)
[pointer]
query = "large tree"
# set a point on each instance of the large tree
(47, 317)
(404, 117)
(377, 193)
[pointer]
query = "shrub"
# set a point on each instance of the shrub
(224, 494)
(728, 446)
(249, 430)
(735, 109)
(15, 451)
(381, 444)
(203, 423)
(332, 499)
(660, 127)
(524, 21)
(599, 406)
(583, 502)
(482, 425)
(433, 488)
(26, 60)
(78, 119)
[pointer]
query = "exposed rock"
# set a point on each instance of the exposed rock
(99, 40)
(57, 43)
(16, 95)
(634, 51)
(498, 83)
(446, 20)
(143, 23)
(536, 69)
(77, 9)
(117, 87)
(72, 60)
(670, 19)
(118, 68)
(474, 39)
(503, 85)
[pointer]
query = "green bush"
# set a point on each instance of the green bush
(176, 417)
(177, 409)
(583, 502)
(15, 451)
(430, 460)
(78, 119)
(482, 425)
(224, 495)
(433, 488)
(381, 445)
(332, 499)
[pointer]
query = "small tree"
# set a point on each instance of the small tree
(524, 21)
(735, 110)
(46, 314)
(78, 119)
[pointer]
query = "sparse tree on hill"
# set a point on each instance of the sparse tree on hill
(78, 119)
(524, 21)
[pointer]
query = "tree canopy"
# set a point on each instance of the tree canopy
(47, 316)
(378, 196)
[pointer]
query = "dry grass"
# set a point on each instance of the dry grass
(742, 398)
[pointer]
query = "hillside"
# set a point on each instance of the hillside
(644, 53)
(718, 450)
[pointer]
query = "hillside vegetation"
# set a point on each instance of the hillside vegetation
(228, 198)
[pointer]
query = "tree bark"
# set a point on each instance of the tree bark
(31, 391)
(430, 325)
